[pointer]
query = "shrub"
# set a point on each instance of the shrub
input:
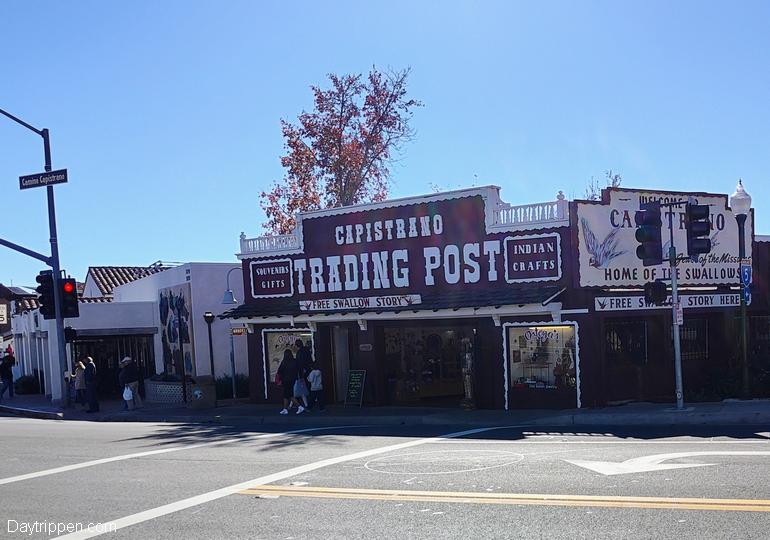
(225, 386)
(26, 384)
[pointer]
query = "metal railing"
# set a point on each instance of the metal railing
(263, 244)
(506, 215)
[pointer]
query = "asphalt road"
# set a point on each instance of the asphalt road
(144, 480)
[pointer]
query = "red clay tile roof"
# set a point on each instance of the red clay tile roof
(109, 277)
(95, 300)
(27, 303)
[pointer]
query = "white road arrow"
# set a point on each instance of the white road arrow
(655, 462)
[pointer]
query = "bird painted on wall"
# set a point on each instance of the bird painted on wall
(601, 253)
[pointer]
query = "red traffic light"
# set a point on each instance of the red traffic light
(68, 287)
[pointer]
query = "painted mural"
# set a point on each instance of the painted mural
(176, 329)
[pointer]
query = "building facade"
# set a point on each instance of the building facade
(154, 315)
(460, 299)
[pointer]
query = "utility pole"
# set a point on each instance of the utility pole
(53, 260)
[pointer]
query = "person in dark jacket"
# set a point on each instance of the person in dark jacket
(288, 372)
(6, 375)
(90, 377)
(129, 377)
(304, 358)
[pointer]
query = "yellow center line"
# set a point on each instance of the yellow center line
(676, 503)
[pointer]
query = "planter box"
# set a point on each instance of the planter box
(165, 392)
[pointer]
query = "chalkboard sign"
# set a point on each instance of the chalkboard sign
(355, 393)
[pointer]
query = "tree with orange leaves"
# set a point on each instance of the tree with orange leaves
(339, 153)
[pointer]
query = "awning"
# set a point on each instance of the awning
(531, 300)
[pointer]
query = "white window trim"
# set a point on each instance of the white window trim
(577, 353)
(289, 330)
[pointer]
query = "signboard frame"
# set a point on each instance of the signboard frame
(631, 302)
(272, 262)
(354, 390)
(604, 232)
(544, 236)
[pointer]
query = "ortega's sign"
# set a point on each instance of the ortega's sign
(388, 257)
(607, 243)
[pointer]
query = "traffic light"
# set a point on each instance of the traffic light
(655, 293)
(698, 229)
(45, 294)
(68, 292)
(70, 334)
(650, 249)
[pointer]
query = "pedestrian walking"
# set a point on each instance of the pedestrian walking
(304, 362)
(128, 377)
(80, 383)
(287, 377)
(6, 375)
(90, 378)
(316, 387)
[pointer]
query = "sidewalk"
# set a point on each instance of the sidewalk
(728, 412)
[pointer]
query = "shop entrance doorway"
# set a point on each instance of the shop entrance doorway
(424, 364)
(341, 353)
(107, 352)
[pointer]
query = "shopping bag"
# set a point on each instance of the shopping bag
(128, 395)
(300, 388)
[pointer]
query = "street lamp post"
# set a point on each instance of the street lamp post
(229, 299)
(740, 203)
(209, 318)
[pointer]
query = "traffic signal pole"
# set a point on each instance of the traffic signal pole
(675, 301)
(53, 260)
(56, 268)
(648, 234)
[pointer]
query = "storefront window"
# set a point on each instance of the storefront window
(278, 341)
(626, 341)
(426, 363)
(542, 357)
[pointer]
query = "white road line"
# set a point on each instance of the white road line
(554, 441)
(166, 509)
(75, 466)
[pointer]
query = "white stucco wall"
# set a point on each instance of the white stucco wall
(123, 315)
(207, 286)
(90, 289)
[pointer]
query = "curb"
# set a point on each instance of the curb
(609, 420)
(31, 413)
(664, 418)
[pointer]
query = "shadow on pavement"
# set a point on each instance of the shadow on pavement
(194, 433)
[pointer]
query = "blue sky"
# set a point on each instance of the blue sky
(167, 113)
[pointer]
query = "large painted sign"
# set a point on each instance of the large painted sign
(607, 243)
(388, 257)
